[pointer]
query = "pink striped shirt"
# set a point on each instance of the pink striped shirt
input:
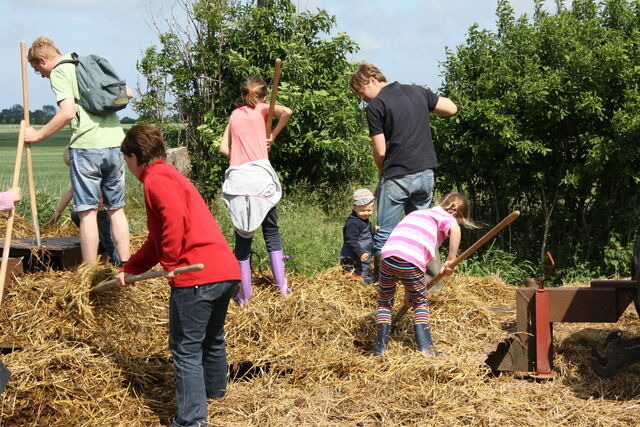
(248, 134)
(418, 235)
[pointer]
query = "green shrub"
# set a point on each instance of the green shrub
(501, 263)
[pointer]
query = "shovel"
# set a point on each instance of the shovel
(144, 276)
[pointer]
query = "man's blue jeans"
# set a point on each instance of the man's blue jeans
(400, 195)
(196, 341)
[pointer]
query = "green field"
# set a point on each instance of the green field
(51, 175)
(48, 168)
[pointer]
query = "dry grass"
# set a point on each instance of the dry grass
(302, 360)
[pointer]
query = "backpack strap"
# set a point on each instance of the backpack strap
(73, 60)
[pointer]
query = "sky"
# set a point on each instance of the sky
(406, 39)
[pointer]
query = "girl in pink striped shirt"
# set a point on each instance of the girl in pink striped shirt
(405, 256)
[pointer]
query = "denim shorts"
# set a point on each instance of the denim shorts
(95, 173)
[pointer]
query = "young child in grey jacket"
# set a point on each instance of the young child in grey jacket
(357, 248)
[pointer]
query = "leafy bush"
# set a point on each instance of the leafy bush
(548, 125)
(199, 78)
(496, 261)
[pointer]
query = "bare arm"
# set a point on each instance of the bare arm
(455, 236)
(379, 146)
(65, 114)
(445, 107)
(62, 205)
(283, 114)
(225, 143)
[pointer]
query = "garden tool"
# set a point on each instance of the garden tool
(10, 220)
(635, 270)
(144, 276)
(30, 179)
(274, 94)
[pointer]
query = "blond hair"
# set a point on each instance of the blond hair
(459, 204)
(252, 92)
(42, 47)
(362, 75)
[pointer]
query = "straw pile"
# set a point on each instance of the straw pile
(300, 360)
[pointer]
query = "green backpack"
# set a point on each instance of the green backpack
(102, 92)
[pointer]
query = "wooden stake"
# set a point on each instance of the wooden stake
(7, 236)
(25, 106)
(274, 94)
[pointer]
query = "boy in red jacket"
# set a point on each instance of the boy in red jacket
(182, 231)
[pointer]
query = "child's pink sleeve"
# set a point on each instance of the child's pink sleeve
(445, 226)
(6, 201)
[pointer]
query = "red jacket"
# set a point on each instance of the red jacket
(182, 231)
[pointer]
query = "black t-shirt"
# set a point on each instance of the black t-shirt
(401, 113)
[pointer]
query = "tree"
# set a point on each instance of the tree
(549, 124)
(15, 114)
(198, 68)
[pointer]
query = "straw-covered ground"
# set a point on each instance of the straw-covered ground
(305, 359)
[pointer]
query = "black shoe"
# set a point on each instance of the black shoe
(382, 340)
(423, 339)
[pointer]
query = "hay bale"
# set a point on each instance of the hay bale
(300, 360)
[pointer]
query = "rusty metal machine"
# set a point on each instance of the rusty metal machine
(530, 350)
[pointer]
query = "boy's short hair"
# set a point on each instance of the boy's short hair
(362, 75)
(146, 142)
(362, 197)
(42, 47)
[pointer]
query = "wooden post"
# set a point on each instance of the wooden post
(274, 94)
(25, 106)
(14, 183)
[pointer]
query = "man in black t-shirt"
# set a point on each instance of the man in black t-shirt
(400, 131)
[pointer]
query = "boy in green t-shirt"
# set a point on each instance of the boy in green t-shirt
(97, 166)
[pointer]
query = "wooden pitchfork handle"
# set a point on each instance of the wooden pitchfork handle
(14, 183)
(484, 239)
(144, 276)
(30, 178)
(274, 94)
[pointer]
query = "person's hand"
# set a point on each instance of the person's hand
(170, 275)
(31, 135)
(15, 193)
(365, 257)
(270, 141)
(54, 219)
(447, 268)
(121, 276)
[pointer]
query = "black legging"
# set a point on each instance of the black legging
(270, 232)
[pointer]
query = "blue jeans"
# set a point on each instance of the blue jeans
(196, 341)
(399, 195)
(95, 173)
